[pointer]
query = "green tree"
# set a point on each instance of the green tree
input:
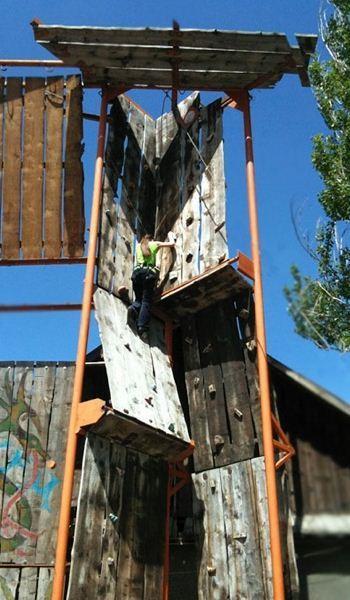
(320, 306)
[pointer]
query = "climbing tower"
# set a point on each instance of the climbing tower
(180, 432)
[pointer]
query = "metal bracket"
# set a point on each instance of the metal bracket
(89, 413)
(281, 446)
(245, 265)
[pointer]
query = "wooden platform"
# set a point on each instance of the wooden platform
(97, 417)
(215, 284)
(205, 59)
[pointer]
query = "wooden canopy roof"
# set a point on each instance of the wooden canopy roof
(202, 59)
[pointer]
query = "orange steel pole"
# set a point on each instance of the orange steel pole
(275, 538)
(72, 441)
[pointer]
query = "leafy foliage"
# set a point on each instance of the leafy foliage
(320, 307)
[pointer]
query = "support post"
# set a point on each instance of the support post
(72, 439)
(241, 101)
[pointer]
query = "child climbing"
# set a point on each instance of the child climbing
(144, 279)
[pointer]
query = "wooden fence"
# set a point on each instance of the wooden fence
(41, 173)
(35, 401)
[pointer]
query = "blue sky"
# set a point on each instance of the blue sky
(284, 121)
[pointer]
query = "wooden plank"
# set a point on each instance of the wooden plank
(219, 428)
(147, 201)
(28, 584)
(39, 480)
(45, 583)
(109, 226)
(139, 374)
(242, 534)
(33, 171)
(206, 38)
(158, 57)
(196, 394)
(91, 518)
(15, 517)
(12, 170)
(258, 472)
(209, 526)
(228, 350)
(55, 450)
(246, 321)
(130, 575)
(213, 244)
(74, 221)
(214, 80)
(191, 202)
(9, 583)
(127, 209)
(54, 103)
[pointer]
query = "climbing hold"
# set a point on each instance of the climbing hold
(219, 443)
(251, 345)
(212, 389)
(127, 346)
(113, 517)
(110, 561)
(172, 276)
(149, 400)
(188, 340)
(244, 314)
(172, 427)
(196, 382)
(238, 414)
(207, 349)
(189, 220)
(189, 257)
(211, 570)
(50, 464)
(221, 258)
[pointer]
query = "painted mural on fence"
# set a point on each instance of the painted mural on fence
(26, 481)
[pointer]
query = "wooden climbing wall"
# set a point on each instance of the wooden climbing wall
(223, 423)
(160, 177)
(41, 131)
(139, 373)
(128, 200)
(119, 538)
(34, 411)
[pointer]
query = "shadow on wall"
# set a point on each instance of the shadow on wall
(324, 568)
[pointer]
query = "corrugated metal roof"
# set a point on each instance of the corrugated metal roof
(206, 59)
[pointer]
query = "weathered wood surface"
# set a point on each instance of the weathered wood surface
(217, 390)
(319, 432)
(210, 287)
(118, 547)
(142, 56)
(32, 171)
(73, 208)
(139, 374)
(54, 102)
(33, 114)
(35, 401)
(230, 512)
(138, 436)
(11, 195)
(128, 203)
(214, 244)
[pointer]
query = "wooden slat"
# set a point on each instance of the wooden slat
(74, 222)
(55, 449)
(259, 477)
(12, 170)
(209, 38)
(213, 193)
(127, 209)
(109, 225)
(215, 80)
(242, 533)
(9, 583)
(212, 375)
(54, 103)
(196, 394)
(146, 206)
(228, 351)
(209, 529)
(158, 57)
(32, 172)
